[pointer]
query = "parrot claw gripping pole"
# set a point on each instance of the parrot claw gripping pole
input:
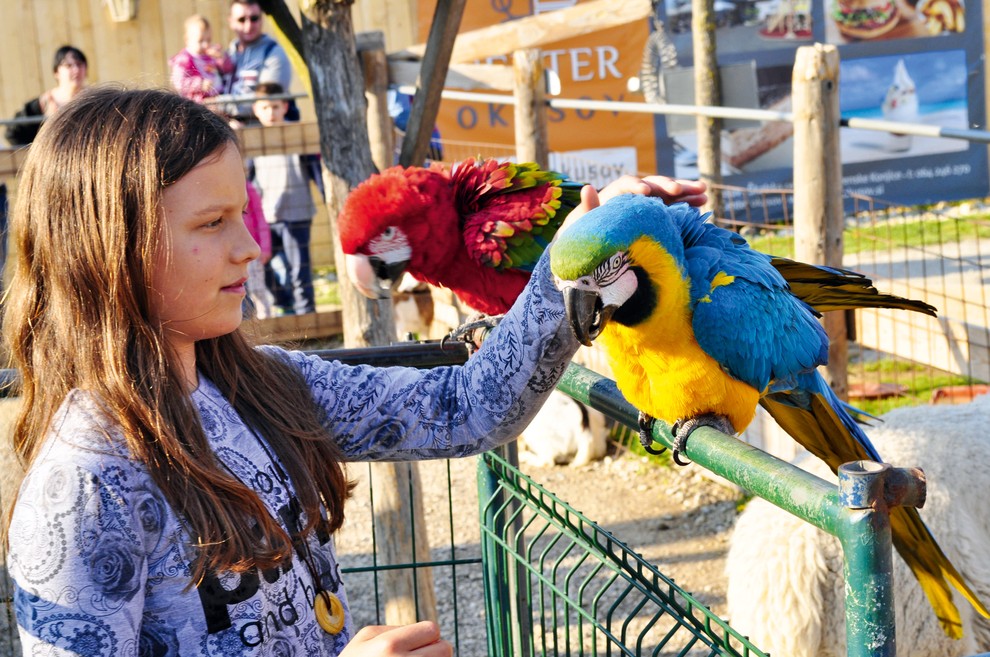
(465, 331)
(683, 429)
(646, 434)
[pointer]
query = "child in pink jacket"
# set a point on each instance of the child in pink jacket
(254, 219)
(198, 70)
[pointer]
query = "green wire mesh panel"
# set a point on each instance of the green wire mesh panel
(558, 584)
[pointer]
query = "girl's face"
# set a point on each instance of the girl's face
(201, 265)
(70, 72)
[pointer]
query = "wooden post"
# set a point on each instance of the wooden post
(818, 213)
(436, 62)
(707, 93)
(374, 64)
(531, 108)
(341, 108)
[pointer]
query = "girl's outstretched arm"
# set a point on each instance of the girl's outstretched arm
(403, 413)
(400, 413)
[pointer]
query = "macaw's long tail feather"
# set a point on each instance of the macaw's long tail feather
(827, 288)
(934, 571)
(814, 417)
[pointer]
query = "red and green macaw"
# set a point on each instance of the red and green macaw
(477, 228)
(699, 328)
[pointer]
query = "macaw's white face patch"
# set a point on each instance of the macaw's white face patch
(391, 245)
(616, 279)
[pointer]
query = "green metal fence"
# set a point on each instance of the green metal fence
(558, 584)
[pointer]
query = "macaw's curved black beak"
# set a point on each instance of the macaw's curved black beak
(373, 277)
(388, 273)
(586, 313)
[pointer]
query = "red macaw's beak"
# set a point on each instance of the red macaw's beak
(372, 276)
(586, 313)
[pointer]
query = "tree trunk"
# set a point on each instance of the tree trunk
(381, 130)
(707, 92)
(532, 141)
(342, 112)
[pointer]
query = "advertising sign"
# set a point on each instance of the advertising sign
(591, 146)
(910, 61)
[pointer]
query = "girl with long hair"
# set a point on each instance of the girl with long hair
(183, 486)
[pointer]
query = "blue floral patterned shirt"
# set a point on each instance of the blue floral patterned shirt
(101, 563)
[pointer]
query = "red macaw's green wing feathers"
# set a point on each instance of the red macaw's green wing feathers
(510, 212)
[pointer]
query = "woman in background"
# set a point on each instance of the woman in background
(70, 68)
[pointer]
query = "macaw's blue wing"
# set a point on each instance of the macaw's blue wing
(745, 317)
(809, 411)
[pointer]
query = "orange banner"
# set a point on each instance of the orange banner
(591, 146)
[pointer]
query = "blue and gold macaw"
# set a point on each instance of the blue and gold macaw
(699, 328)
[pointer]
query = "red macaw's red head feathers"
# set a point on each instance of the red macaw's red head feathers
(397, 197)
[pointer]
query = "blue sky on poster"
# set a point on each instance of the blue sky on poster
(939, 76)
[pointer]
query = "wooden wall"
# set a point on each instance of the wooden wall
(135, 53)
(396, 18)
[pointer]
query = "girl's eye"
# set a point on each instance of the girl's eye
(213, 224)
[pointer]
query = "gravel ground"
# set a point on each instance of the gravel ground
(676, 518)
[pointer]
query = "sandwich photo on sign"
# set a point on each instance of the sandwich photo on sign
(851, 21)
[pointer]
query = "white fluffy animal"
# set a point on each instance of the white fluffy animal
(564, 432)
(785, 587)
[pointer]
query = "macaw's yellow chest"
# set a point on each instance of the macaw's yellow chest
(664, 372)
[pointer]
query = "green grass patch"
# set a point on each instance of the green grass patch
(325, 287)
(889, 235)
(914, 234)
(777, 245)
(920, 381)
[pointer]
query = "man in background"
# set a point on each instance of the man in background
(257, 58)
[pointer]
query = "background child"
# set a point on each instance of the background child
(283, 182)
(199, 69)
(259, 298)
(69, 67)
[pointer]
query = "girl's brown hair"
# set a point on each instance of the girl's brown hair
(85, 228)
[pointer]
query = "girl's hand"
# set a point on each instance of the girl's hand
(420, 639)
(670, 190)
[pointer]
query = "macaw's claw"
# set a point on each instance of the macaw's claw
(466, 330)
(646, 434)
(683, 429)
